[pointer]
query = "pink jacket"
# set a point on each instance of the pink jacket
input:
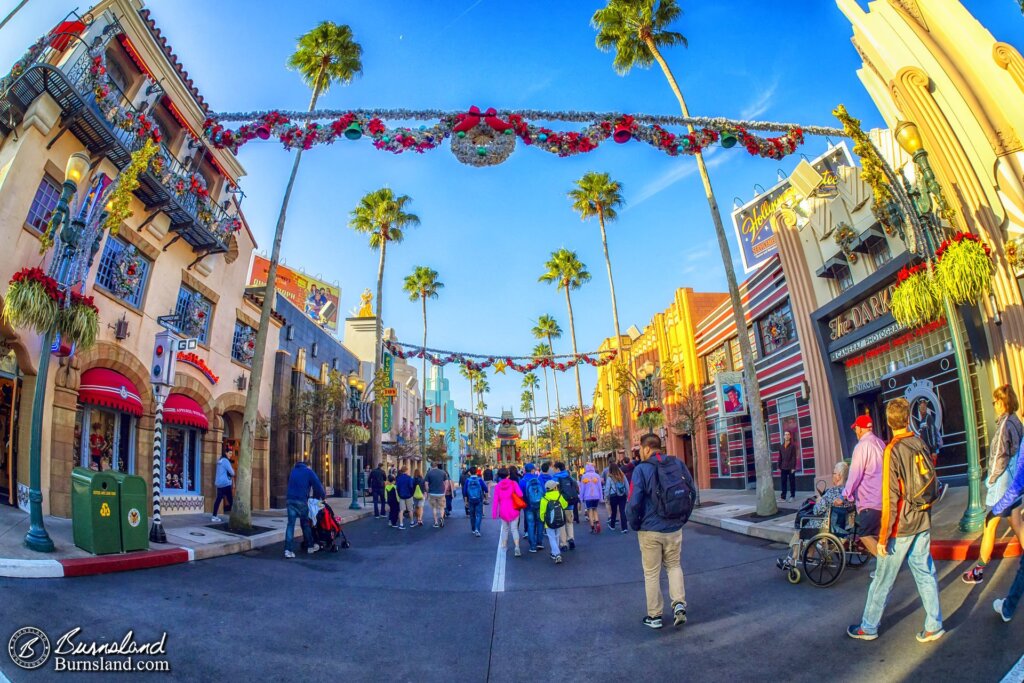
(502, 506)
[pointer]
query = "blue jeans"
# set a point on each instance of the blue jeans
(298, 509)
(476, 514)
(378, 499)
(918, 548)
(1016, 590)
(534, 526)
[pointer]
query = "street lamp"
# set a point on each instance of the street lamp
(915, 204)
(73, 239)
(356, 386)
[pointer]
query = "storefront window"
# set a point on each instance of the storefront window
(864, 370)
(105, 439)
(777, 329)
(181, 460)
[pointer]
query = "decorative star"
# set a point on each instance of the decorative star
(500, 366)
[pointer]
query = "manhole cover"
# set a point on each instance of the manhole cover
(196, 533)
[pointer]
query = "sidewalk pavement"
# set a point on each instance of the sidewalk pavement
(733, 510)
(189, 537)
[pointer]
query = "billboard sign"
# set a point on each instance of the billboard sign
(387, 411)
(316, 298)
(752, 221)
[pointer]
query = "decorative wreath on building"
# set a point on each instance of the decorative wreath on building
(844, 237)
(482, 139)
(777, 328)
(126, 275)
(197, 313)
(245, 345)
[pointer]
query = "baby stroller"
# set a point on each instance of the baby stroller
(328, 529)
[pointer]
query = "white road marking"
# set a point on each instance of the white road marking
(498, 584)
(1016, 674)
(4, 679)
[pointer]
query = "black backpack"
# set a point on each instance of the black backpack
(922, 482)
(674, 494)
(554, 516)
(569, 489)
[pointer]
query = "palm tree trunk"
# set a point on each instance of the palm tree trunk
(376, 435)
(623, 404)
(558, 401)
(762, 456)
(576, 367)
(423, 408)
(241, 511)
(547, 402)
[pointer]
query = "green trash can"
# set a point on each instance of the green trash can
(134, 527)
(95, 511)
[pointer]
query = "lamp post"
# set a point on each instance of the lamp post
(76, 243)
(356, 386)
(916, 203)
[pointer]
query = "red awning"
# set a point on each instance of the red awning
(110, 389)
(64, 32)
(182, 410)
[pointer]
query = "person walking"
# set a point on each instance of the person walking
(546, 474)
(591, 493)
(301, 482)
(864, 484)
(570, 490)
(533, 493)
(553, 512)
(449, 495)
(909, 488)
(419, 487)
(616, 488)
(377, 481)
(1011, 503)
(394, 506)
(1003, 463)
(404, 484)
(488, 474)
(225, 473)
(462, 482)
(506, 491)
(659, 535)
(474, 491)
(787, 465)
(513, 473)
(435, 484)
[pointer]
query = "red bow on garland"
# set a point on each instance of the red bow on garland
(471, 119)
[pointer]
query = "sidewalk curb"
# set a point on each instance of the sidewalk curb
(162, 557)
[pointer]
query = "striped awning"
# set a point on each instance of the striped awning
(110, 389)
(182, 410)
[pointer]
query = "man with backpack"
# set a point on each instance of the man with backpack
(660, 503)
(533, 493)
(553, 513)
(569, 488)
(406, 490)
(474, 491)
(909, 488)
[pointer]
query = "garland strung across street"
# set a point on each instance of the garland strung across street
(498, 420)
(485, 138)
(472, 361)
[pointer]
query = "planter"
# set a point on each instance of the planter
(964, 269)
(917, 299)
(32, 300)
(79, 323)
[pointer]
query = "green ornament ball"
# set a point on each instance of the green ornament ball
(386, 138)
(461, 134)
(482, 151)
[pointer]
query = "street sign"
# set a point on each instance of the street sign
(188, 344)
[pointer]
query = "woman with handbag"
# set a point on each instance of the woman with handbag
(1002, 466)
(508, 502)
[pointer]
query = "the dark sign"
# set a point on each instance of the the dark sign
(861, 313)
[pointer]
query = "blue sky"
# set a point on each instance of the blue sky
(489, 231)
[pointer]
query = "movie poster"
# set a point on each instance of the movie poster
(316, 298)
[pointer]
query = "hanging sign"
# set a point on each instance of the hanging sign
(387, 415)
(752, 221)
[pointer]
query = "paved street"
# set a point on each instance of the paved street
(419, 605)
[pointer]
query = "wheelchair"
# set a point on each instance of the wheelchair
(825, 553)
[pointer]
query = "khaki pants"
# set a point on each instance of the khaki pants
(566, 533)
(661, 550)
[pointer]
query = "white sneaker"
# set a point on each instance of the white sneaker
(289, 555)
(215, 520)
(313, 549)
(997, 605)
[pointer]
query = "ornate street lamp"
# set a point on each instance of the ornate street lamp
(77, 241)
(645, 388)
(356, 386)
(915, 203)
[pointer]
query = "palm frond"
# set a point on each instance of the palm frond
(326, 55)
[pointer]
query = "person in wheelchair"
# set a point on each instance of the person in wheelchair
(817, 518)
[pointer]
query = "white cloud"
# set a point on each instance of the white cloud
(761, 104)
(674, 175)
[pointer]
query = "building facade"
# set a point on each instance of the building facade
(78, 92)
(443, 416)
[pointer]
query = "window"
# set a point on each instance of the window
(243, 343)
(734, 354)
(843, 277)
(776, 328)
(714, 363)
(107, 274)
(181, 309)
(880, 252)
(105, 439)
(181, 460)
(43, 204)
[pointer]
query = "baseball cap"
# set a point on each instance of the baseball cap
(551, 485)
(862, 421)
(528, 467)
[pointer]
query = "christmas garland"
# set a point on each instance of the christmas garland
(500, 363)
(844, 237)
(126, 274)
(487, 138)
(872, 167)
(30, 57)
(500, 420)
(119, 204)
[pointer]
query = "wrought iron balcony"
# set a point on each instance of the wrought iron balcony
(195, 221)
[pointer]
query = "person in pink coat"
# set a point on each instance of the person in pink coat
(505, 509)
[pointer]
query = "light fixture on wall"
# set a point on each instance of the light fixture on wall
(315, 349)
(120, 328)
(241, 382)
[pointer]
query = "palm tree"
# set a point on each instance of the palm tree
(326, 55)
(567, 272)
(596, 194)
(526, 405)
(547, 328)
(539, 351)
(382, 216)
(482, 387)
(423, 284)
(531, 383)
(637, 30)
